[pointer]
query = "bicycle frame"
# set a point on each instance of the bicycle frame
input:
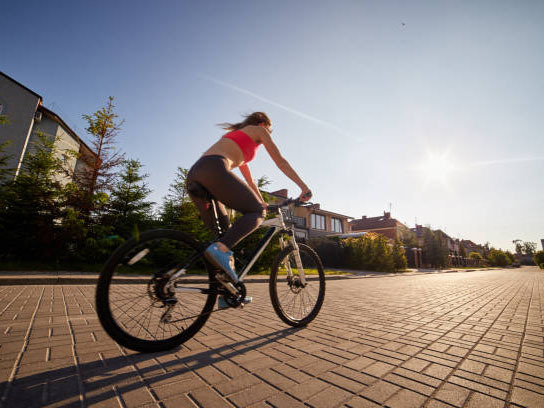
(274, 225)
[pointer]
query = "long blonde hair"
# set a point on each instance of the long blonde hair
(253, 119)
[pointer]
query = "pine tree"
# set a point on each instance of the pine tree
(128, 211)
(98, 179)
(179, 212)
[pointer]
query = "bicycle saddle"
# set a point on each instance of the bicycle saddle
(198, 190)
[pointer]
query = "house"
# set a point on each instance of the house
(27, 119)
(472, 247)
(384, 225)
(311, 221)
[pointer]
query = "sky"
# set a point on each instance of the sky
(430, 109)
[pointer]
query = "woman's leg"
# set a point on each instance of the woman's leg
(212, 173)
(205, 209)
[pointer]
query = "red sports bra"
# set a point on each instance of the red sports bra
(245, 143)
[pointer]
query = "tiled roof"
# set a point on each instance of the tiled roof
(368, 223)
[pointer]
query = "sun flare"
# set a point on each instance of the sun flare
(438, 168)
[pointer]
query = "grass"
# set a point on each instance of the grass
(306, 271)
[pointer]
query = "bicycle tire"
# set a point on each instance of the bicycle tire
(309, 260)
(114, 278)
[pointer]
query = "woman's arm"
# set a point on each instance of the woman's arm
(283, 164)
(244, 169)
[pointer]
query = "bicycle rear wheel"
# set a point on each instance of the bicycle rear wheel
(297, 304)
(136, 308)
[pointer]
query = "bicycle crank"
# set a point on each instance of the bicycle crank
(238, 299)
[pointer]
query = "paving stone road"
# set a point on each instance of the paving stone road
(465, 339)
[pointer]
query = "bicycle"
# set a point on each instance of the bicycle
(180, 286)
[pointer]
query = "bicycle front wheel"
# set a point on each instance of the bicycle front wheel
(295, 302)
(134, 304)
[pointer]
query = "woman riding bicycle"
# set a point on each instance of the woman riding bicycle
(214, 172)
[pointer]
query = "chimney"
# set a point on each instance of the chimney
(387, 215)
(363, 217)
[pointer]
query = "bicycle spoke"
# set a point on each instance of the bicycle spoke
(137, 309)
(294, 301)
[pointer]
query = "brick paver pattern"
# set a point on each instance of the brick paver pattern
(466, 339)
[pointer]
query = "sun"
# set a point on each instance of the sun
(437, 168)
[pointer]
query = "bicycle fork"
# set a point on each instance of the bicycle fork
(298, 260)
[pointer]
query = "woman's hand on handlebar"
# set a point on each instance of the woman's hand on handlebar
(305, 195)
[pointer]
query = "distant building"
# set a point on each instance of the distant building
(385, 225)
(312, 221)
(27, 118)
(472, 247)
(392, 229)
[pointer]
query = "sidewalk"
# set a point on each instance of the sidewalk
(90, 278)
(455, 340)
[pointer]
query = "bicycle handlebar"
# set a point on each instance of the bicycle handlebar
(276, 207)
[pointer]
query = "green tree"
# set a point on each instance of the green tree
(409, 240)
(128, 211)
(538, 257)
(518, 245)
(179, 212)
(436, 252)
(498, 257)
(529, 248)
(476, 256)
(510, 256)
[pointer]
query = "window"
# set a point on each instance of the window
(336, 225)
(318, 221)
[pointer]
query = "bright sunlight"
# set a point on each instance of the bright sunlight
(438, 168)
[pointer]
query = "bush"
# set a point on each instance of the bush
(475, 256)
(399, 256)
(498, 257)
(539, 258)
(369, 252)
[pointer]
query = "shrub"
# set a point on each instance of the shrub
(498, 257)
(476, 256)
(539, 259)
(400, 262)
(369, 252)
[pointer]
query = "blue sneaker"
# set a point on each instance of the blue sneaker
(223, 260)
